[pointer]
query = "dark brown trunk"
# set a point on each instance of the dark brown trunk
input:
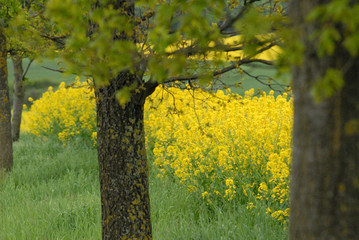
(19, 94)
(6, 156)
(325, 169)
(123, 165)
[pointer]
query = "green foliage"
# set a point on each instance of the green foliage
(337, 13)
(340, 30)
(159, 39)
(341, 21)
(29, 32)
(328, 85)
(8, 9)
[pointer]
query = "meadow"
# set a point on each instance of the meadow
(53, 193)
(231, 183)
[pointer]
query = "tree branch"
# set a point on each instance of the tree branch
(219, 72)
(150, 87)
(228, 68)
(52, 69)
(231, 20)
(27, 69)
(57, 39)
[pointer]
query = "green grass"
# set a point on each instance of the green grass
(53, 193)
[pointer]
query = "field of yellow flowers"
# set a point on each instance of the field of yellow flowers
(223, 147)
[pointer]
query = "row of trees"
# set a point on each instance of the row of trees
(15, 48)
(130, 47)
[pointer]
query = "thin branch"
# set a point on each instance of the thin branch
(228, 68)
(52, 69)
(27, 69)
(270, 85)
(219, 72)
(59, 39)
(231, 20)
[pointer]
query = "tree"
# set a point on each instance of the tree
(19, 93)
(6, 155)
(325, 183)
(30, 14)
(129, 50)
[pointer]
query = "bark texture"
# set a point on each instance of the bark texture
(6, 156)
(19, 94)
(123, 165)
(123, 168)
(325, 168)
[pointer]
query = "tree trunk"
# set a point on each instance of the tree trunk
(325, 168)
(123, 165)
(19, 94)
(6, 156)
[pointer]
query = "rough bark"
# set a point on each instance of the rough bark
(19, 94)
(325, 168)
(123, 165)
(6, 155)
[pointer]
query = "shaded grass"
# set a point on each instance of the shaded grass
(53, 193)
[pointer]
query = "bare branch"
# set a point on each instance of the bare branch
(234, 65)
(27, 69)
(219, 72)
(52, 69)
(231, 20)
(270, 85)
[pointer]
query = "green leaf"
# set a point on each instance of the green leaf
(328, 85)
(123, 96)
(327, 41)
(351, 43)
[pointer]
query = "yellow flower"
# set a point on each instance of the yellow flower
(205, 194)
(219, 141)
(212, 142)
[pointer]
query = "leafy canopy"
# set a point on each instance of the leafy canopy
(163, 40)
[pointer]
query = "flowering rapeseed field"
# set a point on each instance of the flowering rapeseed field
(67, 112)
(222, 147)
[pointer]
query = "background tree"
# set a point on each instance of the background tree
(325, 180)
(6, 156)
(30, 14)
(130, 49)
(7, 10)
(19, 92)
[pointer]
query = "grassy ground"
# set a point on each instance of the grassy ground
(53, 193)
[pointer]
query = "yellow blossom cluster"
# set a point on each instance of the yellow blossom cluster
(67, 112)
(223, 146)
